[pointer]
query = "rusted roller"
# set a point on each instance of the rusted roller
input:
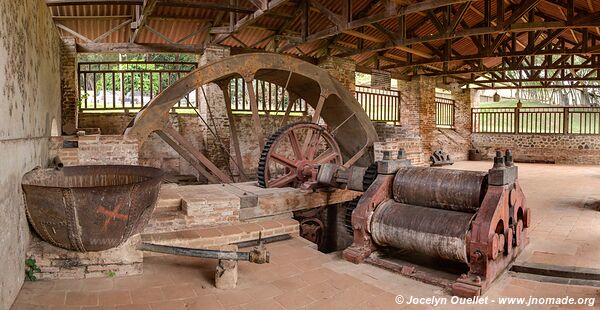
(440, 188)
(433, 232)
(90, 208)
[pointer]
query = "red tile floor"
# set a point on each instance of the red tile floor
(565, 202)
(566, 230)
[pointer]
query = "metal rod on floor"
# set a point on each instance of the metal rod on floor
(259, 255)
(203, 253)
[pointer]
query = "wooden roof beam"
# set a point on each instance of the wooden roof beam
(391, 12)
(518, 27)
(249, 20)
(93, 2)
(223, 6)
(141, 22)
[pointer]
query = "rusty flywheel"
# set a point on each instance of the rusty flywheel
(330, 102)
(292, 153)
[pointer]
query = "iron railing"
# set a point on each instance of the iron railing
(536, 120)
(382, 106)
(444, 112)
(270, 98)
(129, 85)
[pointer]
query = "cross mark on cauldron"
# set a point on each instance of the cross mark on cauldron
(111, 215)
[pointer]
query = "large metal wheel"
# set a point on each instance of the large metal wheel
(352, 130)
(291, 154)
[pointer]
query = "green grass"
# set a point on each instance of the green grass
(512, 103)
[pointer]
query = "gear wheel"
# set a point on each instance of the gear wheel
(370, 176)
(321, 148)
(350, 206)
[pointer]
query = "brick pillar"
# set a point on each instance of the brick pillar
(342, 69)
(218, 113)
(464, 100)
(426, 99)
(68, 85)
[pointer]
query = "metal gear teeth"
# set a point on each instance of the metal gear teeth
(260, 174)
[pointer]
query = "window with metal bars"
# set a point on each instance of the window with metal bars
(130, 85)
(270, 98)
(382, 106)
(444, 112)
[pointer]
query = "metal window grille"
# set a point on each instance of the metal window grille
(381, 105)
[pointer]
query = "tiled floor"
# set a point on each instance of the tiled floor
(565, 203)
(297, 277)
(566, 229)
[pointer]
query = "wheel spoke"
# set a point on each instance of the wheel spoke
(284, 160)
(295, 145)
(233, 129)
(326, 157)
(255, 115)
(311, 144)
(283, 180)
(192, 155)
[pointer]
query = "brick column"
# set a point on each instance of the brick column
(342, 69)
(426, 100)
(464, 100)
(218, 113)
(68, 86)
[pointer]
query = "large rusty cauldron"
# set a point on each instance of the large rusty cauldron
(90, 208)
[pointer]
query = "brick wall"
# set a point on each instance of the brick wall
(68, 85)
(560, 149)
(157, 153)
(393, 138)
(417, 133)
(97, 150)
(109, 123)
(457, 141)
(342, 69)
(213, 109)
(408, 135)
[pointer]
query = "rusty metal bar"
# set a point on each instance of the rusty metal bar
(210, 254)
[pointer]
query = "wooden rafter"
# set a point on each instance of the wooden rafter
(249, 20)
(513, 32)
(138, 26)
(92, 2)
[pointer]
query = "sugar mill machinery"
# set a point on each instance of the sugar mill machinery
(478, 219)
(96, 208)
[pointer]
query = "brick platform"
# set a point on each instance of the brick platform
(193, 206)
(222, 235)
(57, 263)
